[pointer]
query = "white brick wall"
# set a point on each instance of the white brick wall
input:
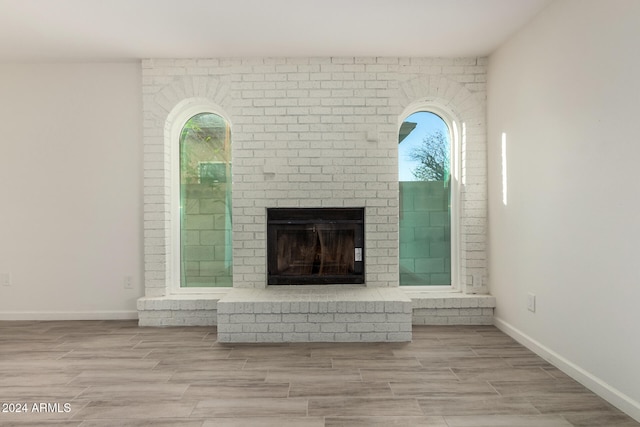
(313, 132)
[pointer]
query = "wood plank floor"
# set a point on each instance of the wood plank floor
(114, 373)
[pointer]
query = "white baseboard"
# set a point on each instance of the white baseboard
(593, 383)
(68, 315)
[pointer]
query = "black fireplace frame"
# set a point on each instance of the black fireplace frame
(301, 218)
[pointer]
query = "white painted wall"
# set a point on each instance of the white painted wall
(566, 91)
(70, 189)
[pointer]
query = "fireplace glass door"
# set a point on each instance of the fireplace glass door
(315, 246)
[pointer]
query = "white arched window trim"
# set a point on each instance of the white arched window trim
(455, 126)
(176, 121)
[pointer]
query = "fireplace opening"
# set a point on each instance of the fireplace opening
(308, 246)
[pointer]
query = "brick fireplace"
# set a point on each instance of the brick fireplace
(313, 133)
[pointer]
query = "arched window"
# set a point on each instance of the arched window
(205, 202)
(426, 182)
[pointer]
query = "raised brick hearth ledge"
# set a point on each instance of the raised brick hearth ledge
(427, 307)
(324, 313)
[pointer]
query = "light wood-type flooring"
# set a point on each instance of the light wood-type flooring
(113, 373)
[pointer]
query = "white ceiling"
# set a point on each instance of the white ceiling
(40, 30)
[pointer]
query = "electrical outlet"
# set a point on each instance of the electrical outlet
(5, 279)
(128, 282)
(531, 302)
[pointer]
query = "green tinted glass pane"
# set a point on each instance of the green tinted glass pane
(425, 201)
(205, 202)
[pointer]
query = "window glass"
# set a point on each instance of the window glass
(424, 159)
(205, 202)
